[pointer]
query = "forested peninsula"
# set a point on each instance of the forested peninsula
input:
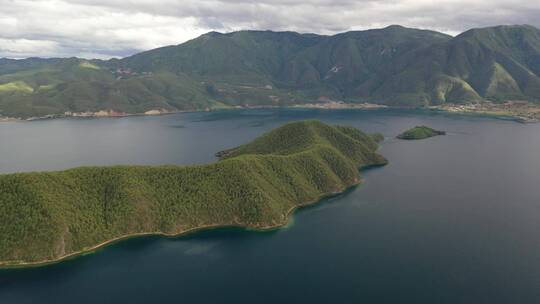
(49, 216)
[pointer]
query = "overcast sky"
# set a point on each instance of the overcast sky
(117, 28)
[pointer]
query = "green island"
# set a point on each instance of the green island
(420, 132)
(49, 216)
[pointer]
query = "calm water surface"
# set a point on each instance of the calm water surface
(451, 219)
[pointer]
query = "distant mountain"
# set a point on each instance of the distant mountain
(252, 67)
(497, 63)
(394, 66)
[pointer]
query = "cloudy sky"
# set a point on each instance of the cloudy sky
(116, 28)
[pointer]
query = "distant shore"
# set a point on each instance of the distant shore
(522, 112)
(109, 113)
(97, 114)
(518, 111)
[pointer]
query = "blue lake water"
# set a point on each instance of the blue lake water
(451, 219)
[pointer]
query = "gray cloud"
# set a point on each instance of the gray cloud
(113, 28)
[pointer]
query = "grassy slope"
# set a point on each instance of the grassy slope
(45, 216)
(78, 85)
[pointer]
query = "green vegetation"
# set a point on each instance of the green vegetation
(49, 215)
(88, 65)
(396, 66)
(420, 132)
(15, 87)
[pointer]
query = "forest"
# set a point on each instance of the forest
(46, 216)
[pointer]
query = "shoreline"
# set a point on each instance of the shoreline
(502, 115)
(63, 116)
(286, 219)
(522, 113)
(113, 114)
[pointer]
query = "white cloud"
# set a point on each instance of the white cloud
(107, 28)
(22, 48)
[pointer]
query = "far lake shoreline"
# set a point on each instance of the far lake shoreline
(308, 106)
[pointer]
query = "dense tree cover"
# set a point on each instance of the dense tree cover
(420, 132)
(394, 66)
(47, 215)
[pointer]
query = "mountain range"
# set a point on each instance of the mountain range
(395, 66)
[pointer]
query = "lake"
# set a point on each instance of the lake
(451, 219)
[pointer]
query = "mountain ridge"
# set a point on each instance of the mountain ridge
(395, 66)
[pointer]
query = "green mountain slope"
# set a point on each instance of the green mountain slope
(78, 85)
(499, 63)
(342, 62)
(50, 215)
(250, 66)
(394, 66)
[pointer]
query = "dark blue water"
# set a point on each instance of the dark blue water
(451, 219)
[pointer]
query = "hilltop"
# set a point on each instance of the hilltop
(48, 216)
(394, 66)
